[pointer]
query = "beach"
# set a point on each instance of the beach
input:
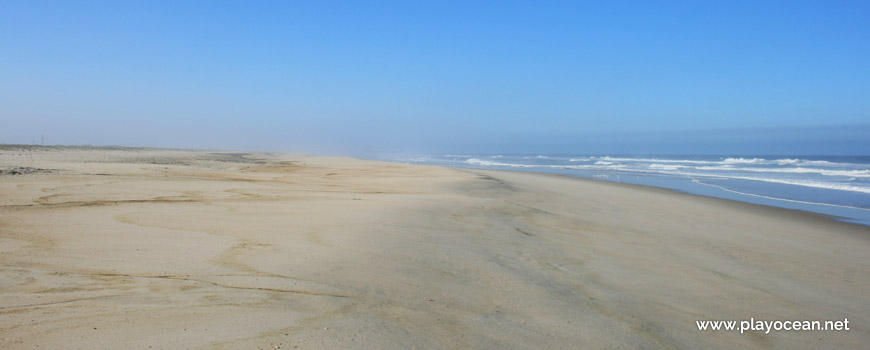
(174, 249)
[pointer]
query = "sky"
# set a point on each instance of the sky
(367, 77)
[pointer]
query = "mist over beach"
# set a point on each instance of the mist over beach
(394, 175)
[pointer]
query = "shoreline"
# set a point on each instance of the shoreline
(209, 249)
(843, 213)
(726, 201)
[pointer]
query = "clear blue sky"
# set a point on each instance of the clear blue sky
(362, 77)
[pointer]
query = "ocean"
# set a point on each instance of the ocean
(833, 185)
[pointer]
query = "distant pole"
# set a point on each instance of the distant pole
(43, 139)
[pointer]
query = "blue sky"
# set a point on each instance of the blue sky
(365, 77)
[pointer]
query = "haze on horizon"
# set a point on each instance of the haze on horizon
(776, 77)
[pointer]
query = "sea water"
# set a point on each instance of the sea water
(831, 185)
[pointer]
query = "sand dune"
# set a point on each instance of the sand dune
(145, 248)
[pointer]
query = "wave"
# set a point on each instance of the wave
(657, 160)
(789, 161)
(481, 162)
(805, 162)
(826, 172)
(728, 161)
(744, 161)
(667, 166)
(823, 163)
(808, 183)
(781, 163)
(795, 182)
(621, 167)
(777, 198)
(490, 163)
(672, 169)
(804, 183)
(834, 181)
(708, 169)
(785, 161)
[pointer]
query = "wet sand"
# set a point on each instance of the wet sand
(145, 248)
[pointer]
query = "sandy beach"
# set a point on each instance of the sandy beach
(175, 249)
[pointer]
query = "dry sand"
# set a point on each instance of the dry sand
(174, 249)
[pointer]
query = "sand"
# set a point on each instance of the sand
(175, 249)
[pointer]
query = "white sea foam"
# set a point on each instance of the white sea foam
(481, 162)
(666, 166)
(805, 162)
(784, 161)
(804, 183)
(823, 163)
(826, 172)
(727, 161)
(788, 161)
(795, 182)
(789, 171)
(657, 160)
(597, 167)
(776, 198)
(743, 161)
